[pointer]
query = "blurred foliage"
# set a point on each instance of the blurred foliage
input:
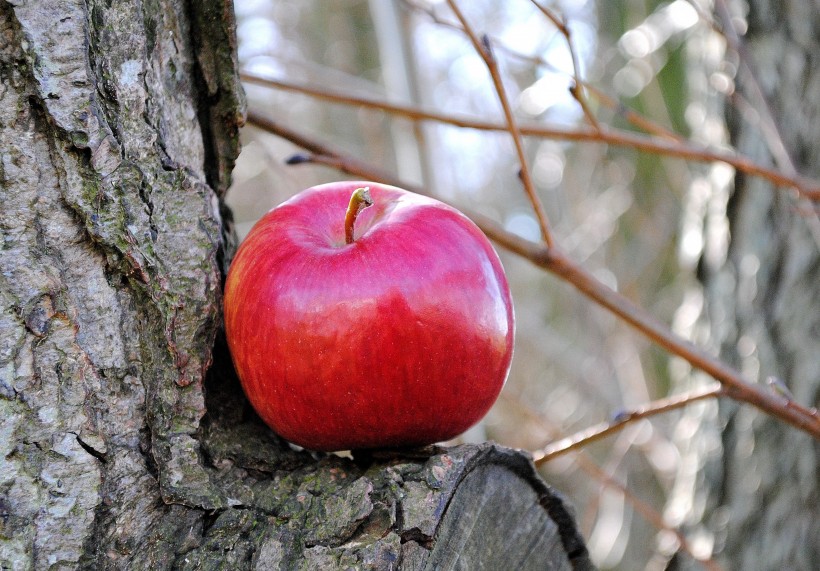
(615, 210)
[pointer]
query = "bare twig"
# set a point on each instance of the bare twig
(577, 90)
(733, 382)
(686, 150)
(621, 420)
(764, 108)
(554, 261)
(590, 467)
(629, 114)
(484, 50)
(635, 118)
(779, 388)
(652, 516)
(434, 17)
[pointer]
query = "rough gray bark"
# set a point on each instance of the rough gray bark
(118, 131)
(757, 484)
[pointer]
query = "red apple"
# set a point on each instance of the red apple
(400, 335)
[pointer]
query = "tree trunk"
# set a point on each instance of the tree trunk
(756, 487)
(118, 132)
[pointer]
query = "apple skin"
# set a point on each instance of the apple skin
(402, 338)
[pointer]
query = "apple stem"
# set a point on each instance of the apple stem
(360, 200)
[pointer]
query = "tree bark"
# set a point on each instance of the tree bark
(753, 483)
(120, 445)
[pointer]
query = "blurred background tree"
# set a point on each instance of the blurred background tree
(728, 259)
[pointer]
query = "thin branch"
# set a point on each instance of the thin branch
(767, 122)
(733, 382)
(577, 90)
(661, 146)
(621, 420)
(434, 17)
(629, 114)
(632, 116)
(779, 388)
(552, 260)
(484, 50)
(775, 139)
(590, 467)
(652, 516)
(556, 21)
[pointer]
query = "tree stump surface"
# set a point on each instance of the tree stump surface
(467, 507)
(463, 507)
